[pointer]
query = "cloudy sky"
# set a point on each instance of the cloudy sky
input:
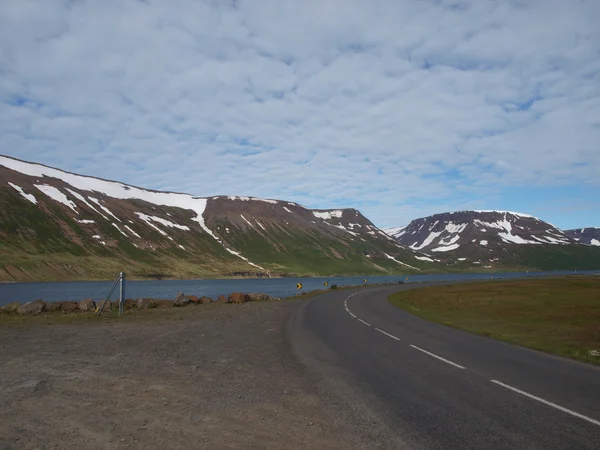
(398, 108)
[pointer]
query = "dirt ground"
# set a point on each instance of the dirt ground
(217, 376)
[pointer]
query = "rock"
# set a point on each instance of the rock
(68, 306)
(256, 296)
(237, 297)
(86, 305)
(36, 307)
(107, 307)
(10, 308)
(52, 307)
(221, 299)
(128, 304)
(181, 300)
(144, 303)
(205, 300)
(163, 303)
(193, 299)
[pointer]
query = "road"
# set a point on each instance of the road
(424, 385)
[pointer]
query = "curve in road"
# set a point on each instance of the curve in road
(425, 385)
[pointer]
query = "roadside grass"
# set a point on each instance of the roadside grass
(559, 316)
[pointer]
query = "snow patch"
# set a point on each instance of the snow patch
(103, 208)
(181, 246)
(261, 225)
(132, 232)
(20, 190)
(446, 249)
(328, 214)
(484, 243)
(595, 242)
(287, 210)
(424, 258)
(247, 221)
(433, 235)
(451, 227)
(56, 195)
(148, 220)
(86, 221)
(400, 262)
(247, 199)
(120, 231)
(239, 255)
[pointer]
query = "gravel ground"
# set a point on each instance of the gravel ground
(217, 376)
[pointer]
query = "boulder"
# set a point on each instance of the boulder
(128, 304)
(86, 305)
(68, 306)
(256, 296)
(107, 306)
(237, 297)
(193, 299)
(221, 299)
(144, 303)
(205, 300)
(181, 300)
(52, 307)
(10, 308)
(36, 307)
(163, 303)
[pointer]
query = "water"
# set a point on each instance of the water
(167, 289)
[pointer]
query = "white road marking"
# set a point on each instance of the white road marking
(438, 357)
(387, 334)
(366, 323)
(546, 402)
(352, 315)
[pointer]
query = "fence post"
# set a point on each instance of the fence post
(122, 292)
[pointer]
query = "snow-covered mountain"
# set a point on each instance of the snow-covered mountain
(59, 225)
(492, 239)
(394, 231)
(589, 236)
(448, 231)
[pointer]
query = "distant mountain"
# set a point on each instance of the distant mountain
(394, 231)
(57, 225)
(590, 236)
(496, 239)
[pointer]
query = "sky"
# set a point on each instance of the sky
(400, 109)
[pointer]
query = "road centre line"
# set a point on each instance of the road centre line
(438, 357)
(366, 323)
(518, 391)
(546, 402)
(387, 334)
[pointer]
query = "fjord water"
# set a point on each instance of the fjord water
(278, 287)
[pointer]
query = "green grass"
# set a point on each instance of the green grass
(559, 316)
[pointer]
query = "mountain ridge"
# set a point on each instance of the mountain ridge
(52, 217)
(495, 239)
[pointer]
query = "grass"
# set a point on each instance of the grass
(559, 316)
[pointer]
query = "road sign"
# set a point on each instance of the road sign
(299, 286)
(326, 284)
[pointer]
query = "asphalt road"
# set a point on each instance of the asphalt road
(417, 384)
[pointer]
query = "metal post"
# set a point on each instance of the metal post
(122, 292)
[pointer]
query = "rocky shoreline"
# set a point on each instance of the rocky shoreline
(88, 305)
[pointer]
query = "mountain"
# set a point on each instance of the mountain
(394, 231)
(56, 225)
(496, 239)
(590, 236)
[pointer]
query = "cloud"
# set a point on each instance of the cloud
(399, 108)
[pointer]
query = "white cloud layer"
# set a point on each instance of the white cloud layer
(399, 108)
